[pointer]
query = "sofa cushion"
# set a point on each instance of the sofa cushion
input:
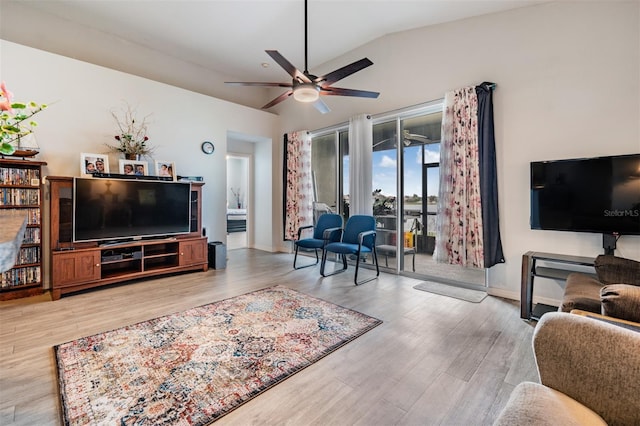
(615, 270)
(535, 404)
(621, 301)
(581, 292)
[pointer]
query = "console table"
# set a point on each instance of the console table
(530, 271)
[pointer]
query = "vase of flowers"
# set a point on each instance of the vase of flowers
(132, 135)
(236, 193)
(16, 126)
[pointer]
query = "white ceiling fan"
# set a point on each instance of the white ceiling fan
(408, 139)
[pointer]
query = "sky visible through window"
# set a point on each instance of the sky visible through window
(384, 170)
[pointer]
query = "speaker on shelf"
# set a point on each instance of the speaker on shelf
(123, 176)
(191, 178)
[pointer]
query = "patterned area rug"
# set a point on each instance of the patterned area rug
(195, 366)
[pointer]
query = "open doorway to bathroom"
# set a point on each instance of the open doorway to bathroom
(237, 200)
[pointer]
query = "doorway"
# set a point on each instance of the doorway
(237, 200)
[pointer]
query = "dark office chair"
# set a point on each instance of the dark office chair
(327, 229)
(358, 238)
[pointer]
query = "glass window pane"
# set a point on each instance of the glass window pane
(421, 154)
(412, 191)
(384, 181)
(432, 153)
(344, 174)
(324, 168)
(432, 159)
(433, 177)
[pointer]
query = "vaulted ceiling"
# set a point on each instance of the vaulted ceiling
(226, 38)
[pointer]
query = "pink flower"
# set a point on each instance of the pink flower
(5, 105)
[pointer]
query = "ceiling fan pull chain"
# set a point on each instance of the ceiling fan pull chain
(306, 39)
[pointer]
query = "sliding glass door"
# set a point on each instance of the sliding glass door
(402, 145)
(405, 182)
(384, 169)
(330, 173)
(420, 182)
(324, 165)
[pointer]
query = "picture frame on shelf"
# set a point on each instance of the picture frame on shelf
(91, 164)
(166, 169)
(133, 168)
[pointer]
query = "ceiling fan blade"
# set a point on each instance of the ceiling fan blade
(321, 106)
(343, 72)
(338, 91)
(415, 137)
(288, 67)
(279, 99)
(407, 139)
(257, 83)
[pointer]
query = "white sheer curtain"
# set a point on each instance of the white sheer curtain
(444, 218)
(360, 157)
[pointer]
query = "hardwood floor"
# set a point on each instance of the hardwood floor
(434, 360)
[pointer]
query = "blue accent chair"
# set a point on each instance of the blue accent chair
(328, 228)
(358, 238)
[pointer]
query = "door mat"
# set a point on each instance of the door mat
(469, 295)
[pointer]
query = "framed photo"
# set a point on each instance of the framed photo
(133, 168)
(93, 163)
(166, 169)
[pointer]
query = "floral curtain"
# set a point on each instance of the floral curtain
(298, 186)
(459, 232)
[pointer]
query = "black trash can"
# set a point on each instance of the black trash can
(217, 255)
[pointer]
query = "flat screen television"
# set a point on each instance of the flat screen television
(599, 195)
(105, 210)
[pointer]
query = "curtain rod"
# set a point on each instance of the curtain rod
(490, 85)
(425, 105)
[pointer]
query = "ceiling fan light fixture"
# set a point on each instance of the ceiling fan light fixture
(306, 93)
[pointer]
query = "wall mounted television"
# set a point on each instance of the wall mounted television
(109, 210)
(600, 194)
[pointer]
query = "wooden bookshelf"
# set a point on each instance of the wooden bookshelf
(21, 193)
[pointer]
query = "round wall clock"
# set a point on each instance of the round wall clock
(207, 147)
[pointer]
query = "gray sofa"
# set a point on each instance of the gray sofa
(615, 292)
(589, 374)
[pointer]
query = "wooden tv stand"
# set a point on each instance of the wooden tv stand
(80, 266)
(74, 270)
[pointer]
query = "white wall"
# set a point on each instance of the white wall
(568, 76)
(78, 120)
(23, 24)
